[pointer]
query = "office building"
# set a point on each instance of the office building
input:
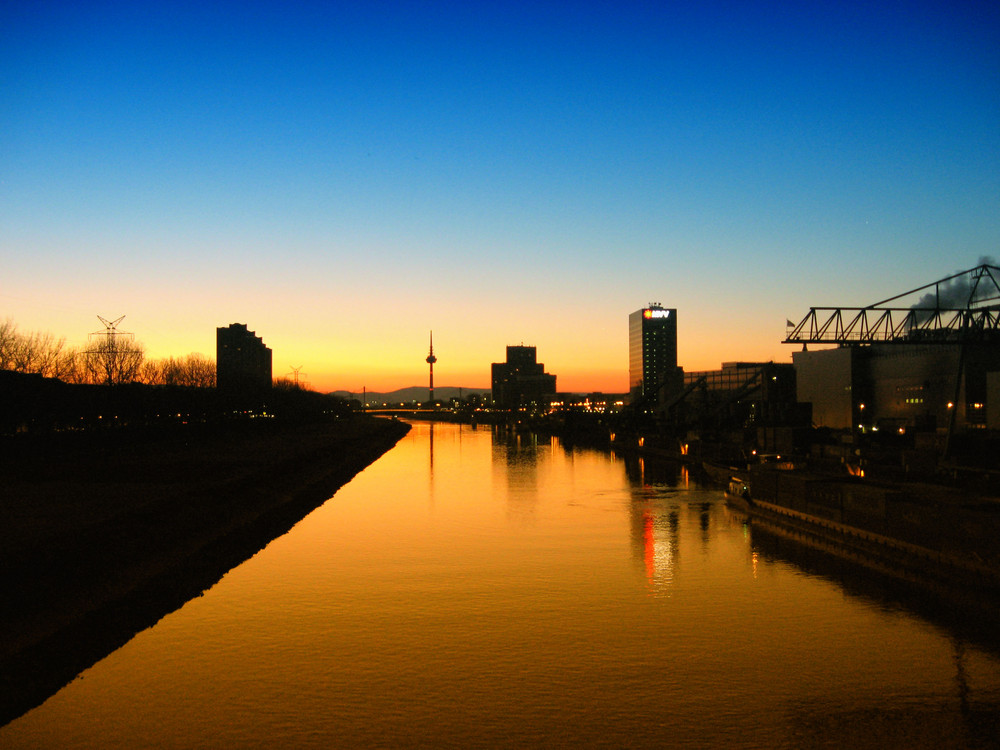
(652, 351)
(521, 381)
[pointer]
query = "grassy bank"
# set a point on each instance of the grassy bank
(101, 536)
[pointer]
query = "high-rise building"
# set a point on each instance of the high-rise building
(242, 362)
(521, 380)
(652, 351)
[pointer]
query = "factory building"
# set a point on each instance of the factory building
(745, 393)
(900, 387)
(756, 399)
(929, 365)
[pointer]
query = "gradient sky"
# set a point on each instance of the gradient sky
(345, 177)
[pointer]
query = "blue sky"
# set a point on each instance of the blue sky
(345, 177)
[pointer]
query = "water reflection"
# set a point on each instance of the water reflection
(548, 596)
(660, 548)
(649, 474)
(975, 619)
(430, 451)
(516, 459)
(703, 523)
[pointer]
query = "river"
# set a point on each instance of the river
(476, 589)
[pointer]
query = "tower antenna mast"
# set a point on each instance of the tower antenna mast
(431, 359)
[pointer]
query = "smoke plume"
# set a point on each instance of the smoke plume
(957, 292)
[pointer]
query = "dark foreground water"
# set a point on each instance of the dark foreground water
(471, 589)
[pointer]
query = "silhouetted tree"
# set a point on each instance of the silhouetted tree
(74, 368)
(194, 371)
(113, 360)
(287, 384)
(151, 372)
(34, 353)
(38, 353)
(8, 335)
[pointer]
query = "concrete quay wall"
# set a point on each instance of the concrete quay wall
(953, 534)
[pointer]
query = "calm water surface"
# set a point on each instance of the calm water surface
(470, 589)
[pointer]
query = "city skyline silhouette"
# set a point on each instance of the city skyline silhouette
(345, 180)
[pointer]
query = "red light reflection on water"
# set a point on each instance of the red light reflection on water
(649, 546)
(658, 553)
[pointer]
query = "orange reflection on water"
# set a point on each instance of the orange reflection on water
(659, 551)
(539, 600)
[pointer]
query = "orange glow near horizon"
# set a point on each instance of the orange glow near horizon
(349, 351)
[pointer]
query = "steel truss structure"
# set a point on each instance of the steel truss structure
(927, 322)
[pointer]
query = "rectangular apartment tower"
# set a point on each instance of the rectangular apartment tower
(242, 361)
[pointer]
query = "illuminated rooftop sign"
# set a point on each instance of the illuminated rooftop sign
(653, 314)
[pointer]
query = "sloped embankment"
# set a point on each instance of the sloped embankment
(100, 538)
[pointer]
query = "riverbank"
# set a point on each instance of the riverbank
(102, 536)
(942, 539)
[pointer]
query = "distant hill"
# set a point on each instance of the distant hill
(413, 393)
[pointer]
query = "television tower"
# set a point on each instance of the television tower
(431, 359)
